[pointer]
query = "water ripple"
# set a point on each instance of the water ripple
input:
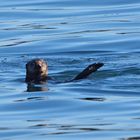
(70, 35)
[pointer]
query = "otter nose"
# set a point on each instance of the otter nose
(38, 66)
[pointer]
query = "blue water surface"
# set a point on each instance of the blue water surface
(70, 35)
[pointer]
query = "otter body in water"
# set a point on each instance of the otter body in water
(37, 71)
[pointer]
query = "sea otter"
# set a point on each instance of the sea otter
(37, 71)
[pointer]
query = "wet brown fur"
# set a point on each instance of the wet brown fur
(36, 71)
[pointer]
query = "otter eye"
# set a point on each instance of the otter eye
(33, 64)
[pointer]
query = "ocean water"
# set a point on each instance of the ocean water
(70, 35)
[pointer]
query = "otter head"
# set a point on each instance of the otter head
(36, 71)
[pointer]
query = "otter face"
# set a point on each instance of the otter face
(36, 71)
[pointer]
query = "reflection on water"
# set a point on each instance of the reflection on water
(93, 99)
(70, 35)
(33, 88)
